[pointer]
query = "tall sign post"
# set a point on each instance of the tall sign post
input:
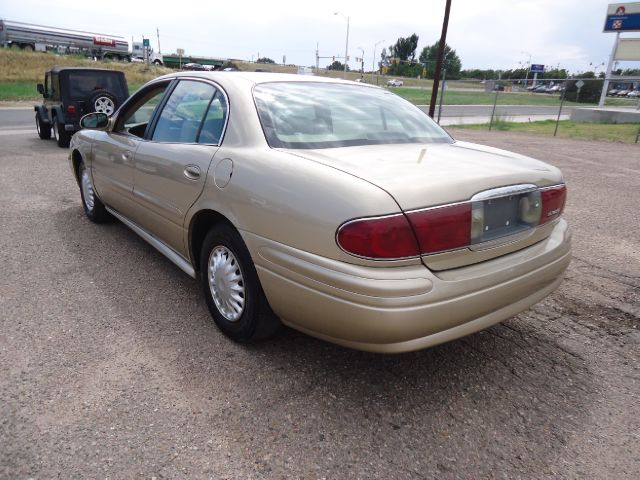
(145, 45)
(621, 17)
(536, 68)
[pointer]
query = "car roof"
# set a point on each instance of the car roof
(254, 78)
(86, 69)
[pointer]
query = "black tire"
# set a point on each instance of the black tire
(44, 129)
(103, 101)
(93, 208)
(60, 135)
(256, 321)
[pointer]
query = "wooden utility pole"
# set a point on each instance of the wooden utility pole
(436, 75)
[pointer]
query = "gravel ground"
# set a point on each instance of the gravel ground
(111, 367)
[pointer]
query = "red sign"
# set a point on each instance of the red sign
(107, 42)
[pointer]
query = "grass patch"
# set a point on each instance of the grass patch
(21, 71)
(456, 97)
(19, 91)
(614, 132)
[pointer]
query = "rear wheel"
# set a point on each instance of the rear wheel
(44, 129)
(232, 289)
(60, 135)
(93, 208)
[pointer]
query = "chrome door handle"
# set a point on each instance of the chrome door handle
(192, 172)
(126, 156)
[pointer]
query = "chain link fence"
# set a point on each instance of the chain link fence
(567, 107)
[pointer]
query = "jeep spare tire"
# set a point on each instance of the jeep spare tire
(103, 102)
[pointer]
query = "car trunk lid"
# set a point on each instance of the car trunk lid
(420, 177)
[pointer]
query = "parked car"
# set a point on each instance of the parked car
(395, 83)
(613, 92)
(622, 93)
(194, 67)
(633, 94)
(69, 93)
(330, 206)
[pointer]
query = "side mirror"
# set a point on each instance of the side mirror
(41, 89)
(95, 121)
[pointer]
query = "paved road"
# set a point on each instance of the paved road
(25, 116)
(112, 368)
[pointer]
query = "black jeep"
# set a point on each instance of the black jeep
(70, 93)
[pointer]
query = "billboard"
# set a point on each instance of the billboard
(628, 49)
(536, 68)
(623, 17)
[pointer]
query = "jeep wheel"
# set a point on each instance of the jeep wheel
(103, 102)
(60, 135)
(44, 130)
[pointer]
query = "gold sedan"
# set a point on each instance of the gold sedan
(336, 208)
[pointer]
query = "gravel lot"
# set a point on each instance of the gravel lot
(111, 367)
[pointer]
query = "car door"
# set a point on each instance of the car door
(171, 165)
(114, 151)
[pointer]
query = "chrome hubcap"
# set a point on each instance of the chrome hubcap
(104, 105)
(55, 130)
(226, 283)
(87, 190)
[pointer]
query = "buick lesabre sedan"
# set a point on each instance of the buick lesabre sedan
(336, 208)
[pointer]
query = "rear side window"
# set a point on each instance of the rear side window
(182, 116)
(214, 121)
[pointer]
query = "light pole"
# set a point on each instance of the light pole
(526, 72)
(361, 63)
(596, 66)
(346, 46)
(373, 66)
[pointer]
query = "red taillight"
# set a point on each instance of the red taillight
(443, 228)
(553, 199)
(71, 110)
(450, 227)
(383, 237)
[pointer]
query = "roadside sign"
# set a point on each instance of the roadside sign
(536, 68)
(628, 49)
(145, 42)
(180, 51)
(579, 84)
(622, 17)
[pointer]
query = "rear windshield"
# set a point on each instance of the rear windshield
(81, 85)
(303, 115)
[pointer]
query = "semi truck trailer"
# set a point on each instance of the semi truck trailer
(43, 38)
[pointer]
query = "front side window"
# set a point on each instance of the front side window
(184, 112)
(324, 115)
(135, 118)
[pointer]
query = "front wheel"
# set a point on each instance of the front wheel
(232, 289)
(93, 208)
(44, 130)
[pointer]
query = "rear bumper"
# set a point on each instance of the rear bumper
(405, 308)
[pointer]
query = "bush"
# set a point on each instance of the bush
(589, 93)
(405, 70)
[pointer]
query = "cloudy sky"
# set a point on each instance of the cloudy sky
(485, 34)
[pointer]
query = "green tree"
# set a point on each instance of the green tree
(452, 62)
(336, 65)
(405, 48)
(264, 60)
